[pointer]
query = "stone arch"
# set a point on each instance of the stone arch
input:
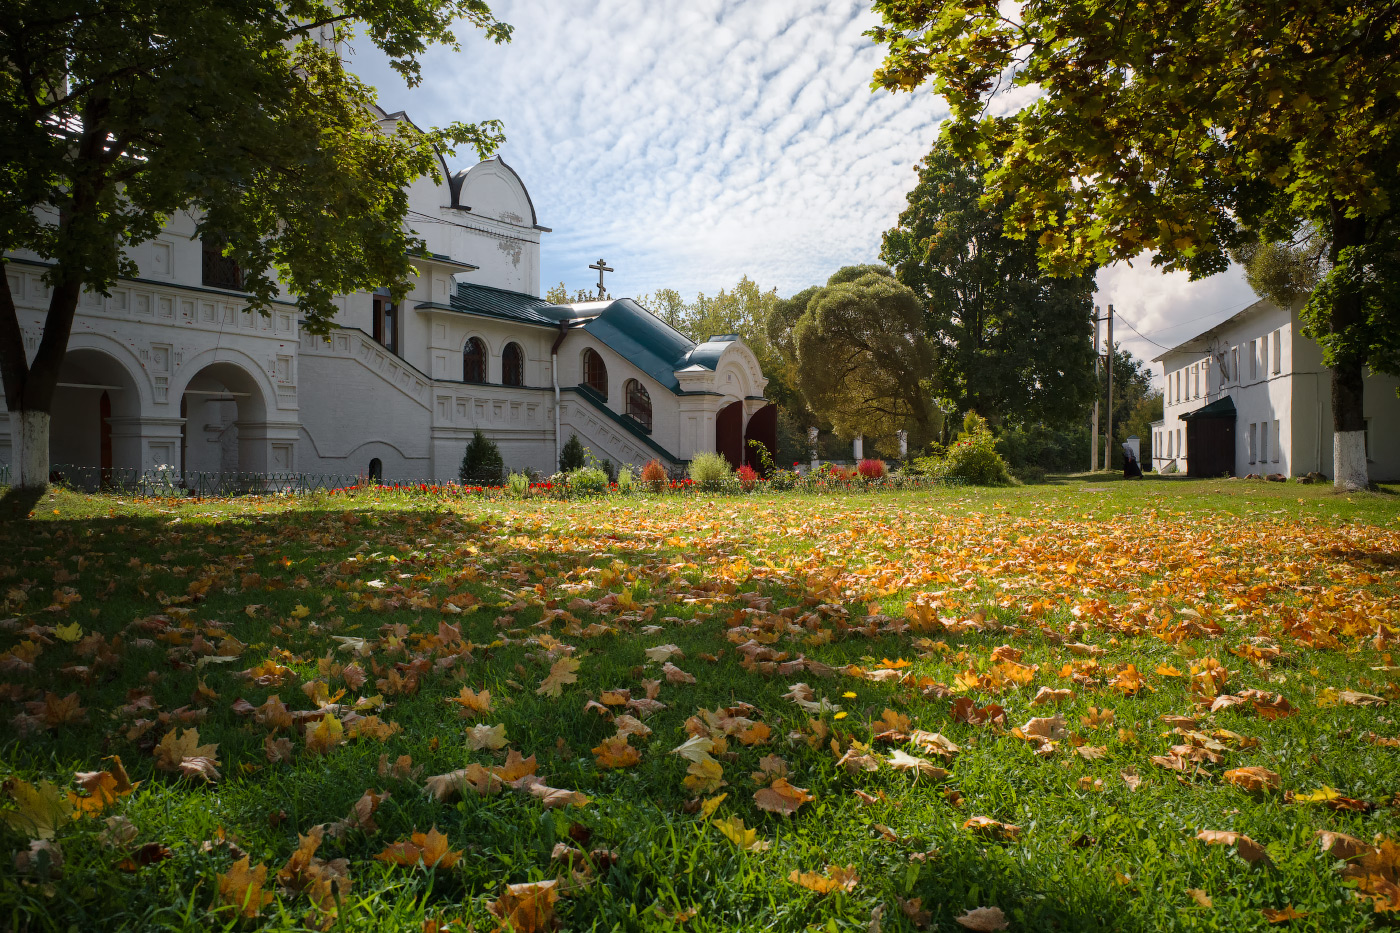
(225, 407)
(94, 435)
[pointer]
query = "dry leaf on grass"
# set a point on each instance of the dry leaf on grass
(1247, 848)
(430, 850)
(528, 908)
(984, 919)
(781, 797)
(241, 887)
(836, 877)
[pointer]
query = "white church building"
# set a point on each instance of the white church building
(173, 369)
(1251, 395)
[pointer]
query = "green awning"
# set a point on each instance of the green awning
(1220, 408)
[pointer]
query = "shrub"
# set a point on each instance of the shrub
(871, 468)
(573, 456)
(519, 484)
(588, 481)
(764, 457)
(974, 458)
(624, 480)
(708, 470)
(481, 464)
(748, 477)
(654, 475)
(783, 480)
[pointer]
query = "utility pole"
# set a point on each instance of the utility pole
(1108, 441)
(1094, 423)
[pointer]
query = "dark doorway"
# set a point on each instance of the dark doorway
(763, 427)
(729, 433)
(376, 471)
(1210, 439)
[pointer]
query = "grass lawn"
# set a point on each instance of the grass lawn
(1211, 657)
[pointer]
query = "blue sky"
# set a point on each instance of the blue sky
(693, 143)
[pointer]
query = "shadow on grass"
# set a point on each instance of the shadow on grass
(18, 501)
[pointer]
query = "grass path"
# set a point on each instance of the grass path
(1174, 631)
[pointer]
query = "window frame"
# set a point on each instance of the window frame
(484, 361)
(595, 372)
(637, 405)
(514, 369)
(385, 323)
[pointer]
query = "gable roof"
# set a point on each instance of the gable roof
(1214, 330)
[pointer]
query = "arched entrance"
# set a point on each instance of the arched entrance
(729, 433)
(763, 427)
(97, 401)
(225, 422)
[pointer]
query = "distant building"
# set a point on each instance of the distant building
(173, 369)
(1251, 395)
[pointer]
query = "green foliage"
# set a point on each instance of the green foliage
(559, 295)
(1037, 447)
(589, 480)
(1186, 132)
(863, 364)
(481, 463)
(709, 470)
(574, 456)
(1284, 273)
(624, 480)
(765, 459)
(519, 484)
(1014, 343)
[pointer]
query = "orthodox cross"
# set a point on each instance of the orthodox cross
(602, 266)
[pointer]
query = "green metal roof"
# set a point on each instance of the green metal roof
(512, 306)
(1220, 408)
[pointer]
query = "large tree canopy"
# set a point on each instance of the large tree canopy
(118, 113)
(1186, 130)
(863, 363)
(1015, 343)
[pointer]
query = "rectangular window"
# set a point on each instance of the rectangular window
(1253, 442)
(1235, 363)
(1180, 444)
(1253, 360)
(386, 323)
(1278, 351)
(1264, 355)
(1170, 446)
(1277, 445)
(218, 270)
(1263, 442)
(1197, 375)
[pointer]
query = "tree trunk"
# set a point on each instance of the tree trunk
(29, 387)
(1349, 470)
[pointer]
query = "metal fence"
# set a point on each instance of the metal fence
(195, 483)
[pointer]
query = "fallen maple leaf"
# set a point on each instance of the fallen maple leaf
(564, 671)
(920, 766)
(984, 919)
(674, 675)
(430, 850)
(1047, 695)
(1201, 898)
(1248, 849)
(616, 753)
(1254, 778)
(1284, 915)
(483, 736)
(836, 877)
(43, 808)
(242, 888)
(781, 797)
(103, 787)
(472, 703)
(528, 907)
(993, 829)
(324, 735)
(174, 749)
(734, 830)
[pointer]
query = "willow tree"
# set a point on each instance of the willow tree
(118, 113)
(862, 361)
(1186, 130)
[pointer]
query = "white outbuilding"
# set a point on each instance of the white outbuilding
(1251, 395)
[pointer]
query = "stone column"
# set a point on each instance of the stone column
(903, 444)
(812, 445)
(858, 448)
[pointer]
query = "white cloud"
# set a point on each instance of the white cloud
(694, 143)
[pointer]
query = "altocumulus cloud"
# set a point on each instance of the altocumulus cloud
(691, 143)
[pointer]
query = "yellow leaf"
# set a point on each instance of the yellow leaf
(325, 735)
(734, 830)
(68, 633)
(241, 888)
(710, 805)
(616, 753)
(42, 808)
(835, 877)
(174, 749)
(564, 671)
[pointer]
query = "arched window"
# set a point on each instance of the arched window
(474, 361)
(513, 365)
(638, 403)
(376, 470)
(595, 374)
